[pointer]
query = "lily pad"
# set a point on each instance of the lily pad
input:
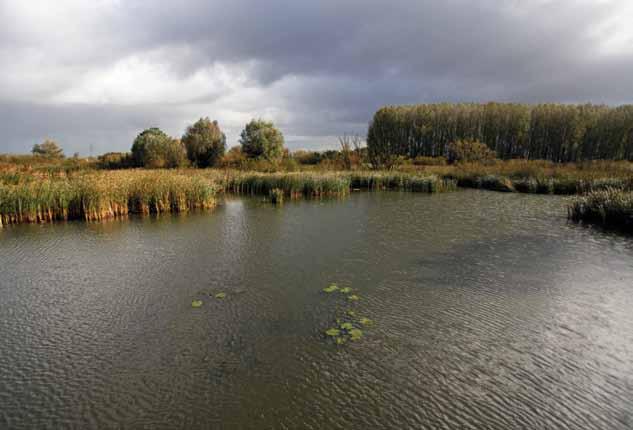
(332, 332)
(196, 303)
(346, 290)
(331, 288)
(355, 334)
(340, 340)
(347, 326)
(351, 313)
(220, 295)
(353, 298)
(366, 321)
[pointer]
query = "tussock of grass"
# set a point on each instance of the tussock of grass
(609, 207)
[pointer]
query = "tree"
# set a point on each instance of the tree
(48, 149)
(205, 143)
(154, 149)
(262, 140)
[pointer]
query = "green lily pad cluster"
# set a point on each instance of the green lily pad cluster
(332, 288)
(349, 325)
(197, 303)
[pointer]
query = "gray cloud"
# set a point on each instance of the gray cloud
(97, 73)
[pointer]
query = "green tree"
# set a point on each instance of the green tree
(262, 140)
(205, 143)
(154, 149)
(48, 149)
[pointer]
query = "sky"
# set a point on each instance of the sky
(93, 74)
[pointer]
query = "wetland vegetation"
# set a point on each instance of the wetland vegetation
(583, 150)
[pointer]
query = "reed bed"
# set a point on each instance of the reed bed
(102, 195)
(97, 195)
(609, 207)
(402, 181)
(291, 184)
(542, 185)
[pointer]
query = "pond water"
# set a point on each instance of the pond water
(490, 311)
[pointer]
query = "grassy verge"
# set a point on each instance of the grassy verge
(609, 207)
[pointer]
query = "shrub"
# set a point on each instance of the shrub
(115, 160)
(154, 149)
(205, 143)
(469, 151)
(261, 140)
(48, 149)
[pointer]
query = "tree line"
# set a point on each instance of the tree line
(555, 132)
(202, 145)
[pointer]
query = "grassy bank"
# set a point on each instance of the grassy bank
(609, 207)
(539, 177)
(96, 195)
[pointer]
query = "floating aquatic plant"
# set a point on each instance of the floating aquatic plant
(355, 334)
(331, 288)
(333, 332)
(347, 326)
(220, 295)
(348, 321)
(196, 303)
(365, 321)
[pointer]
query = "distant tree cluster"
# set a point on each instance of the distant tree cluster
(556, 132)
(48, 149)
(204, 145)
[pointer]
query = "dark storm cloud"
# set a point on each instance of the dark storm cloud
(318, 68)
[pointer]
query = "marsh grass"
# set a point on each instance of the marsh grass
(305, 184)
(542, 177)
(101, 195)
(401, 181)
(609, 207)
(276, 196)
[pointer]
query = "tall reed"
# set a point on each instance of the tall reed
(101, 195)
(609, 207)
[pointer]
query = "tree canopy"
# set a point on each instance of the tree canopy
(49, 149)
(556, 132)
(262, 140)
(154, 149)
(205, 143)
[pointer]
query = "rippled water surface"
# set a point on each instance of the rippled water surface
(490, 310)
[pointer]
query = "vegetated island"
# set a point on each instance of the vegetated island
(586, 150)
